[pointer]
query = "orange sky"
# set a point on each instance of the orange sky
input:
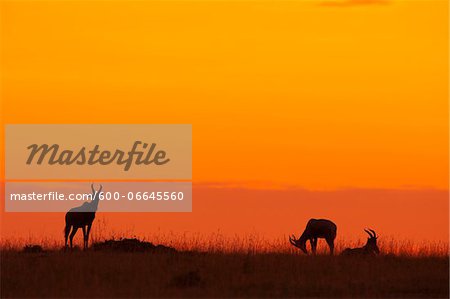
(317, 95)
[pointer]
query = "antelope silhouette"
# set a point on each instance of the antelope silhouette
(82, 216)
(315, 229)
(371, 247)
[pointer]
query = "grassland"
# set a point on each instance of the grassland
(221, 273)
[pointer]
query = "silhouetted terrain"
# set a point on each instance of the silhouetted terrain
(131, 245)
(109, 272)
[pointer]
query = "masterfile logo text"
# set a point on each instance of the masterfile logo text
(98, 151)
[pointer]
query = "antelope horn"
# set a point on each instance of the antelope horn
(374, 234)
(101, 187)
(292, 239)
(368, 232)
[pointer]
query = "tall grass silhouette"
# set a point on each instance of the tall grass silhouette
(219, 242)
(219, 265)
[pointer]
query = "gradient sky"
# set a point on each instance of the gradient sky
(322, 96)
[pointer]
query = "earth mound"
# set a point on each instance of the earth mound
(132, 245)
(31, 248)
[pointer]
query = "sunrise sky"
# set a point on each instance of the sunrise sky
(299, 109)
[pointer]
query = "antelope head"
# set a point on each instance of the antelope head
(95, 194)
(371, 244)
(297, 243)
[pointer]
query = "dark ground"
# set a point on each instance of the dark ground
(105, 273)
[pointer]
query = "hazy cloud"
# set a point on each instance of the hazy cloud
(350, 3)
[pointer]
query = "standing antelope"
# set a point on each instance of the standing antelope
(370, 248)
(316, 228)
(82, 216)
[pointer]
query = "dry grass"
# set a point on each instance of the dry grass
(220, 266)
(193, 274)
(250, 243)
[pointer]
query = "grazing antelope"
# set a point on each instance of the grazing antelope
(316, 228)
(82, 217)
(371, 247)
